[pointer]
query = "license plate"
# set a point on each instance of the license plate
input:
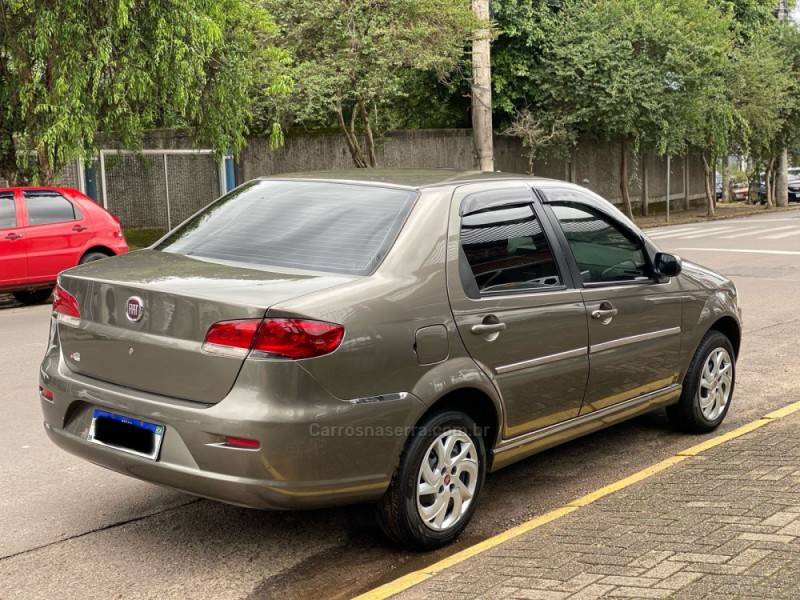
(126, 434)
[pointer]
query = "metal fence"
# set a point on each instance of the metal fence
(159, 188)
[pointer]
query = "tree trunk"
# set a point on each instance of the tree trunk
(645, 185)
(712, 181)
(686, 200)
(782, 180)
(623, 180)
(373, 161)
(482, 88)
(45, 175)
(352, 141)
(709, 195)
(768, 182)
(725, 181)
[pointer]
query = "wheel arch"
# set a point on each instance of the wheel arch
(476, 404)
(97, 248)
(729, 327)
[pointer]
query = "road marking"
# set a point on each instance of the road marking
(673, 234)
(782, 235)
(742, 231)
(764, 230)
(743, 251)
(409, 580)
(710, 232)
(669, 230)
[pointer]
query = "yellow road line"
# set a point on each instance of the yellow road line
(416, 577)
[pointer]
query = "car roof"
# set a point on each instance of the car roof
(40, 188)
(405, 178)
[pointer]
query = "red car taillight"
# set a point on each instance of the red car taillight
(278, 338)
(65, 306)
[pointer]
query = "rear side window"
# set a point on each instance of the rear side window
(309, 225)
(506, 250)
(48, 207)
(8, 215)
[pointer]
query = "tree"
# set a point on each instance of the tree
(763, 88)
(71, 69)
(538, 137)
(633, 70)
(625, 71)
(355, 60)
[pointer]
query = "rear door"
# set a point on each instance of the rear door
(57, 233)
(13, 261)
(515, 305)
(634, 320)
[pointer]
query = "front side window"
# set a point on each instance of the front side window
(8, 215)
(308, 225)
(604, 251)
(506, 250)
(48, 207)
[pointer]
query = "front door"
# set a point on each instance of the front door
(634, 320)
(515, 306)
(13, 261)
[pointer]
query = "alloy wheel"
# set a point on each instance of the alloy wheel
(716, 381)
(447, 480)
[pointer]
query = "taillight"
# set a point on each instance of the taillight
(273, 338)
(118, 233)
(297, 338)
(65, 306)
(231, 338)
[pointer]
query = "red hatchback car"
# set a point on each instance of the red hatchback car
(44, 230)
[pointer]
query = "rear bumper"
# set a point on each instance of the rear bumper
(316, 450)
(241, 491)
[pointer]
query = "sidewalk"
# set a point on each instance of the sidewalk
(722, 524)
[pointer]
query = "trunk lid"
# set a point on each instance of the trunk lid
(181, 297)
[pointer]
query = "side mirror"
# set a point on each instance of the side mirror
(668, 265)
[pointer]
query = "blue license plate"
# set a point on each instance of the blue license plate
(127, 434)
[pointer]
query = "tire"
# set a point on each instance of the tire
(91, 257)
(702, 408)
(400, 510)
(34, 296)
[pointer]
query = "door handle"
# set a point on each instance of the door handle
(13, 236)
(485, 328)
(605, 313)
(79, 228)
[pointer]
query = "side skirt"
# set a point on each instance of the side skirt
(511, 450)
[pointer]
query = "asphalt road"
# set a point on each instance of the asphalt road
(70, 529)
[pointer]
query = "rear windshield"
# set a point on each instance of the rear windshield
(312, 225)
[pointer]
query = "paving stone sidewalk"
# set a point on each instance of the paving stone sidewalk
(723, 524)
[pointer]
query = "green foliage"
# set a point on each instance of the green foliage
(763, 90)
(72, 68)
(355, 60)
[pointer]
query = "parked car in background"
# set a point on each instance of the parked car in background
(45, 230)
(718, 185)
(794, 188)
(384, 336)
(740, 191)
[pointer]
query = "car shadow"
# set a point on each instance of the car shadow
(338, 553)
(8, 301)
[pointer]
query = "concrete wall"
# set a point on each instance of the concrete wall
(137, 187)
(594, 164)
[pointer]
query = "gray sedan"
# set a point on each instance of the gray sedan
(386, 337)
